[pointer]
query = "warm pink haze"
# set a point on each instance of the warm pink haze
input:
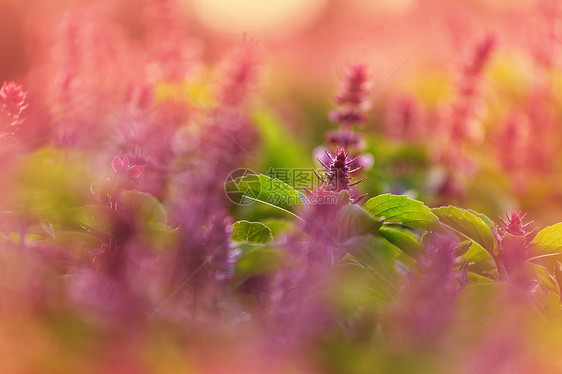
(313, 186)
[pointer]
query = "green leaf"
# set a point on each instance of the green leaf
(267, 190)
(99, 220)
(551, 307)
(279, 226)
(275, 138)
(75, 242)
(479, 258)
(144, 207)
(250, 233)
(18, 222)
(401, 209)
(402, 238)
(354, 221)
(479, 300)
(369, 274)
(544, 276)
(471, 227)
(374, 254)
(354, 287)
(258, 261)
(49, 183)
(150, 219)
(548, 240)
(484, 218)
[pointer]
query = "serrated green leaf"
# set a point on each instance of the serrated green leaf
(479, 300)
(275, 136)
(372, 264)
(278, 226)
(250, 232)
(258, 261)
(542, 274)
(145, 208)
(374, 254)
(480, 260)
(548, 240)
(402, 238)
(401, 209)
(98, 220)
(471, 227)
(75, 242)
(354, 221)
(267, 190)
(484, 218)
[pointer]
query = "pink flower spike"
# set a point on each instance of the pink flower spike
(116, 164)
(357, 199)
(122, 166)
(357, 182)
(12, 103)
(514, 225)
(323, 164)
(137, 170)
(355, 86)
(352, 97)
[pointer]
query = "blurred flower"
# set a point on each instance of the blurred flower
(464, 121)
(344, 138)
(176, 52)
(427, 298)
(475, 65)
(405, 119)
(514, 237)
(123, 167)
(139, 98)
(87, 65)
(352, 96)
(12, 104)
(239, 73)
(449, 185)
(125, 176)
(220, 259)
(460, 125)
(502, 350)
(295, 311)
(513, 142)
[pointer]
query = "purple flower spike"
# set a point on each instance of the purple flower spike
(337, 178)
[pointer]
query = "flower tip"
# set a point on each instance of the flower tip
(137, 170)
(116, 164)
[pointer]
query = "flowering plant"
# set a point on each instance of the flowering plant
(136, 237)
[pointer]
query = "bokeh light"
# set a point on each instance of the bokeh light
(261, 18)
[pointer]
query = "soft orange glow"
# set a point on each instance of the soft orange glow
(266, 18)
